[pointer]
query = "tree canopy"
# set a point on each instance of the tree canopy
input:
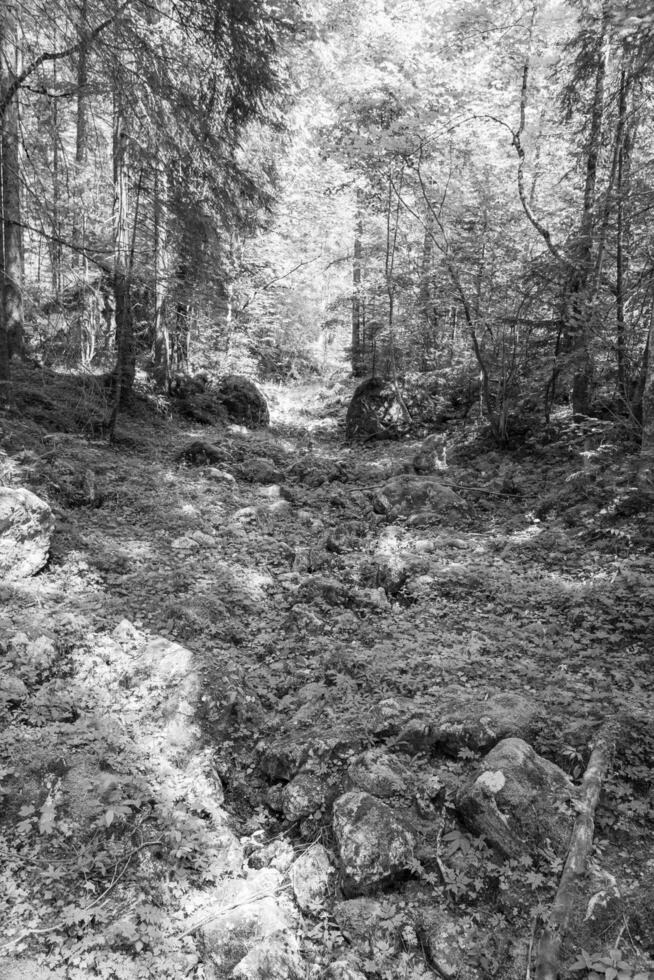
(461, 189)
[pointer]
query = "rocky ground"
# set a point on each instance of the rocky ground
(282, 707)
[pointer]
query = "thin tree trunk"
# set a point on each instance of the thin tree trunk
(125, 369)
(11, 244)
(86, 321)
(646, 467)
(578, 304)
(358, 358)
(391, 245)
(161, 333)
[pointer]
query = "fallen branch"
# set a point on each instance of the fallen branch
(549, 946)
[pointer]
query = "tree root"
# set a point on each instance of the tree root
(549, 946)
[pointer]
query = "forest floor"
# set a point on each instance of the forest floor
(236, 616)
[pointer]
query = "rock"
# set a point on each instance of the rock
(343, 970)
(282, 759)
(205, 408)
(374, 410)
(518, 801)
(26, 526)
(204, 539)
(303, 796)
(12, 690)
(359, 918)
(279, 854)
(199, 453)
(15, 968)
(309, 559)
(260, 470)
(410, 494)
(389, 573)
(324, 587)
(126, 633)
(311, 877)
(374, 845)
(276, 959)
(243, 401)
(388, 717)
(220, 476)
(248, 911)
(184, 544)
(378, 773)
(447, 939)
(470, 724)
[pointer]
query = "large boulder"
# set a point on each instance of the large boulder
(26, 525)
(374, 845)
(518, 801)
(243, 401)
(374, 411)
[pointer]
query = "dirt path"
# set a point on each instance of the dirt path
(305, 617)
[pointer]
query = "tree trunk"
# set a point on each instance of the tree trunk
(161, 333)
(86, 319)
(646, 467)
(358, 358)
(11, 244)
(578, 299)
(125, 368)
(625, 138)
(426, 307)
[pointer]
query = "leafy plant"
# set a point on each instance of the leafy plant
(610, 966)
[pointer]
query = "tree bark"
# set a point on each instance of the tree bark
(11, 244)
(547, 958)
(577, 302)
(358, 359)
(125, 368)
(161, 332)
(646, 467)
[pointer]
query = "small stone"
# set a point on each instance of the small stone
(275, 959)
(311, 876)
(379, 773)
(220, 476)
(12, 689)
(343, 970)
(206, 540)
(184, 544)
(279, 854)
(303, 796)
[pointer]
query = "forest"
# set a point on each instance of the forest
(326, 489)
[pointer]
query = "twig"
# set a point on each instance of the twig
(58, 925)
(439, 864)
(228, 908)
(531, 948)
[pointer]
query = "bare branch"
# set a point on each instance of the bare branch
(86, 38)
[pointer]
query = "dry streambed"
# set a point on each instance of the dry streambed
(277, 708)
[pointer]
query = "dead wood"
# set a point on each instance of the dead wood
(549, 946)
